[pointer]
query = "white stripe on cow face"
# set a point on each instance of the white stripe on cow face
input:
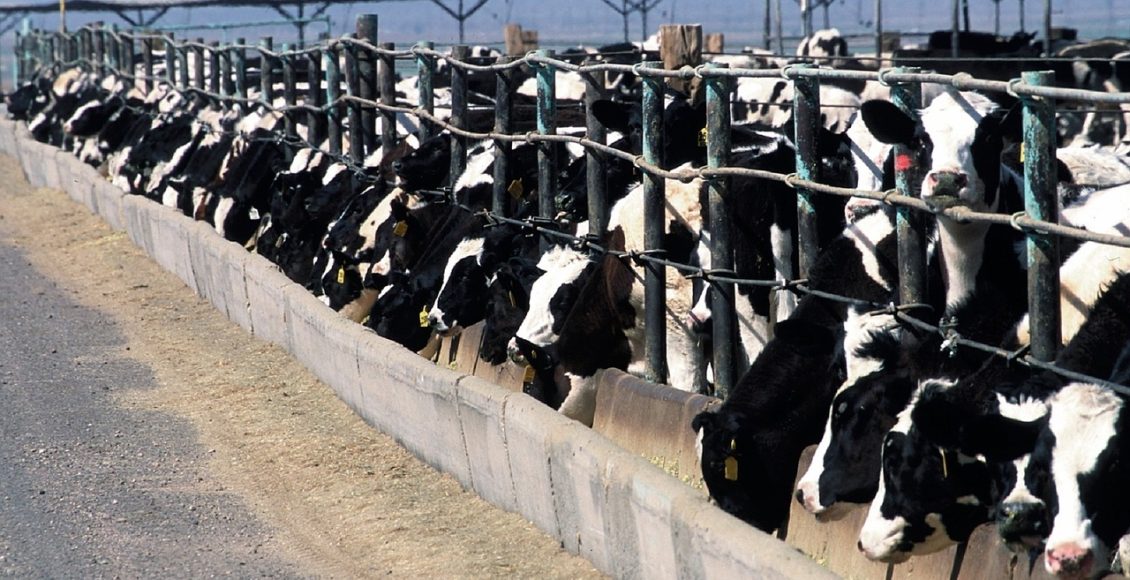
(479, 160)
(561, 266)
(1083, 419)
(866, 235)
(858, 328)
(223, 208)
(951, 121)
(470, 249)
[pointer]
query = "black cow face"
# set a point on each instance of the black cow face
(730, 461)
(928, 499)
(846, 466)
(427, 167)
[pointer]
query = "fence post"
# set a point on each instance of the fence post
(170, 61)
(1038, 158)
(227, 84)
(21, 63)
(353, 89)
(113, 50)
(367, 75)
(426, 70)
(315, 120)
(240, 55)
(386, 78)
(289, 94)
(503, 107)
(596, 168)
(547, 125)
(49, 50)
(458, 118)
(266, 72)
(147, 63)
(806, 116)
(127, 59)
(332, 69)
(721, 249)
(654, 283)
(910, 225)
(214, 67)
(198, 65)
(182, 66)
(99, 47)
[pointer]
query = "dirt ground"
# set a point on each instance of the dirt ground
(342, 499)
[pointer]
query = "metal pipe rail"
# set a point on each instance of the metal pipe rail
(365, 99)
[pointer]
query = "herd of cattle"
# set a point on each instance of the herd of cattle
(936, 436)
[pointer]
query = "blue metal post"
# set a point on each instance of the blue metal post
(458, 112)
(426, 70)
(386, 80)
(655, 287)
(333, 92)
(596, 167)
(503, 108)
(1038, 157)
(806, 116)
(547, 125)
(721, 249)
(910, 225)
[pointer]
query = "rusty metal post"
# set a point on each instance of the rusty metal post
(315, 121)
(1040, 202)
(266, 71)
(458, 118)
(596, 167)
(367, 74)
(182, 67)
(214, 67)
(547, 125)
(386, 79)
(503, 107)
(239, 54)
(147, 63)
(170, 60)
(654, 282)
(332, 68)
(99, 46)
(806, 116)
(910, 225)
(722, 312)
(426, 70)
(353, 89)
(289, 92)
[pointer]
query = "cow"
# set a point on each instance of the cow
(1038, 498)
(751, 444)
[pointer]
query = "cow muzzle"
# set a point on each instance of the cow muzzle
(1069, 561)
(943, 189)
(1023, 525)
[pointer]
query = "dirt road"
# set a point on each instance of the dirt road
(174, 443)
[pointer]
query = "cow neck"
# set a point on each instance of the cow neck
(963, 256)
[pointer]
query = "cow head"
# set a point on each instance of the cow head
(846, 465)
(552, 297)
(747, 464)
(426, 167)
(1082, 447)
(961, 136)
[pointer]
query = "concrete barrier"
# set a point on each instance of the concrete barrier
(608, 504)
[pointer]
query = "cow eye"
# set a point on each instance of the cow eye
(841, 408)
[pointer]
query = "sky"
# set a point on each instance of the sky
(571, 22)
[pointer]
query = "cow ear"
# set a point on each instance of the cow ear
(1010, 128)
(612, 115)
(399, 210)
(888, 123)
(706, 421)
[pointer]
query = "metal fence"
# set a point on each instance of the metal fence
(333, 111)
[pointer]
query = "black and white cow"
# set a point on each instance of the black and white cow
(1040, 492)
(750, 445)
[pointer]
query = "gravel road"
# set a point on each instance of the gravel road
(144, 435)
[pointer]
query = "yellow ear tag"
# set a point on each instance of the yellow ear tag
(515, 189)
(341, 275)
(702, 137)
(528, 375)
(731, 468)
(1022, 152)
(400, 229)
(424, 317)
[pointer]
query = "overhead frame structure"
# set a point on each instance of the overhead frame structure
(146, 13)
